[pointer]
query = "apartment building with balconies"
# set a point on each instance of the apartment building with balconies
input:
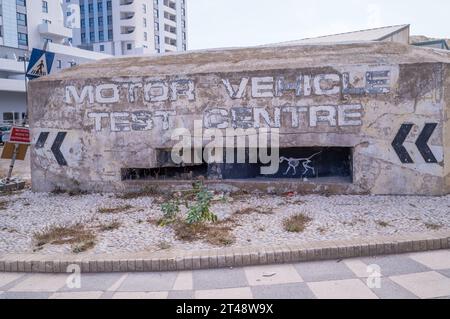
(132, 27)
(28, 24)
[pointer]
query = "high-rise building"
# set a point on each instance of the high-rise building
(28, 24)
(130, 27)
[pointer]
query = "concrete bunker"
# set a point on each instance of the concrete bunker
(348, 119)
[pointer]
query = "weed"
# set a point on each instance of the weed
(383, 224)
(200, 211)
(253, 210)
(164, 245)
(115, 210)
(220, 236)
(82, 247)
(146, 192)
(296, 223)
(3, 205)
(114, 225)
(60, 235)
(170, 211)
(214, 235)
(432, 226)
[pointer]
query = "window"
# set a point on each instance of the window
(82, 8)
(102, 47)
(91, 22)
(109, 5)
(45, 6)
(92, 36)
(129, 47)
(109, 19)
(68, 13)
(101, 36)
(83, 23)
(21, 3)
(100, 6)
(91, 7)
(100, 21)
(21, 19)
(110, 35)
(145, 36)
(46, 21)
(156, 26)
(23, 38)
(145, 22)
(83, 38)
(59, 66)
(144, 8)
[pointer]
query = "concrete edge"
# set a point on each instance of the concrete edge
(227, 257)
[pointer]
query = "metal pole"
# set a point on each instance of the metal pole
(24, 122)
(13, 160)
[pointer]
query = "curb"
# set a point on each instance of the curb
(227, 257)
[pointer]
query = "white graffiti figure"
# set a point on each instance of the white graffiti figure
(295, 162)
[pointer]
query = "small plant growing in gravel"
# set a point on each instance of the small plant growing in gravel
(82, 247)
(170, 211)
(296, 223)
(3, 205)
(114, 210)
(80, 237)
(432, 226)
(200, 211)
(114, 225)
(148, 191)
(164, 245)
(382, 223)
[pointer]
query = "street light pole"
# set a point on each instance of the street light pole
(25, 119)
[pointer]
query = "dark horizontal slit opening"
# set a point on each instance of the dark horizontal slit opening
(298, 163)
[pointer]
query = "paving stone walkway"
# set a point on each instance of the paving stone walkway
(409, 276)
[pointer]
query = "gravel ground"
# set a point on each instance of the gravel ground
(336, 217)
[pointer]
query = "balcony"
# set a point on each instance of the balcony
(127, 33)
(55, 30)
(11, 66)
(128, 5)
(12, 85)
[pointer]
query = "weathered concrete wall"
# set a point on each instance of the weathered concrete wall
(447, 128)
(116, 114)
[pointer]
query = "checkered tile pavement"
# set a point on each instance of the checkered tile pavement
(418, 275)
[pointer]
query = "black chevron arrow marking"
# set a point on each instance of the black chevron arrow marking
(397, 144)
(56, 148)
(42, 139)
(422, 143)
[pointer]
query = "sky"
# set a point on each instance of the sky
(233, 23)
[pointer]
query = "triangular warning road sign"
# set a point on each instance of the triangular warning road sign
(39, 68)
(40, 63)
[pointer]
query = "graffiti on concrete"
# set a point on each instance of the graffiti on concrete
(293, 163)
(111, 93)
(270, 86)
(236, 117)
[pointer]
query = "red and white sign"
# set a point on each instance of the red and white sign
(20, 135)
